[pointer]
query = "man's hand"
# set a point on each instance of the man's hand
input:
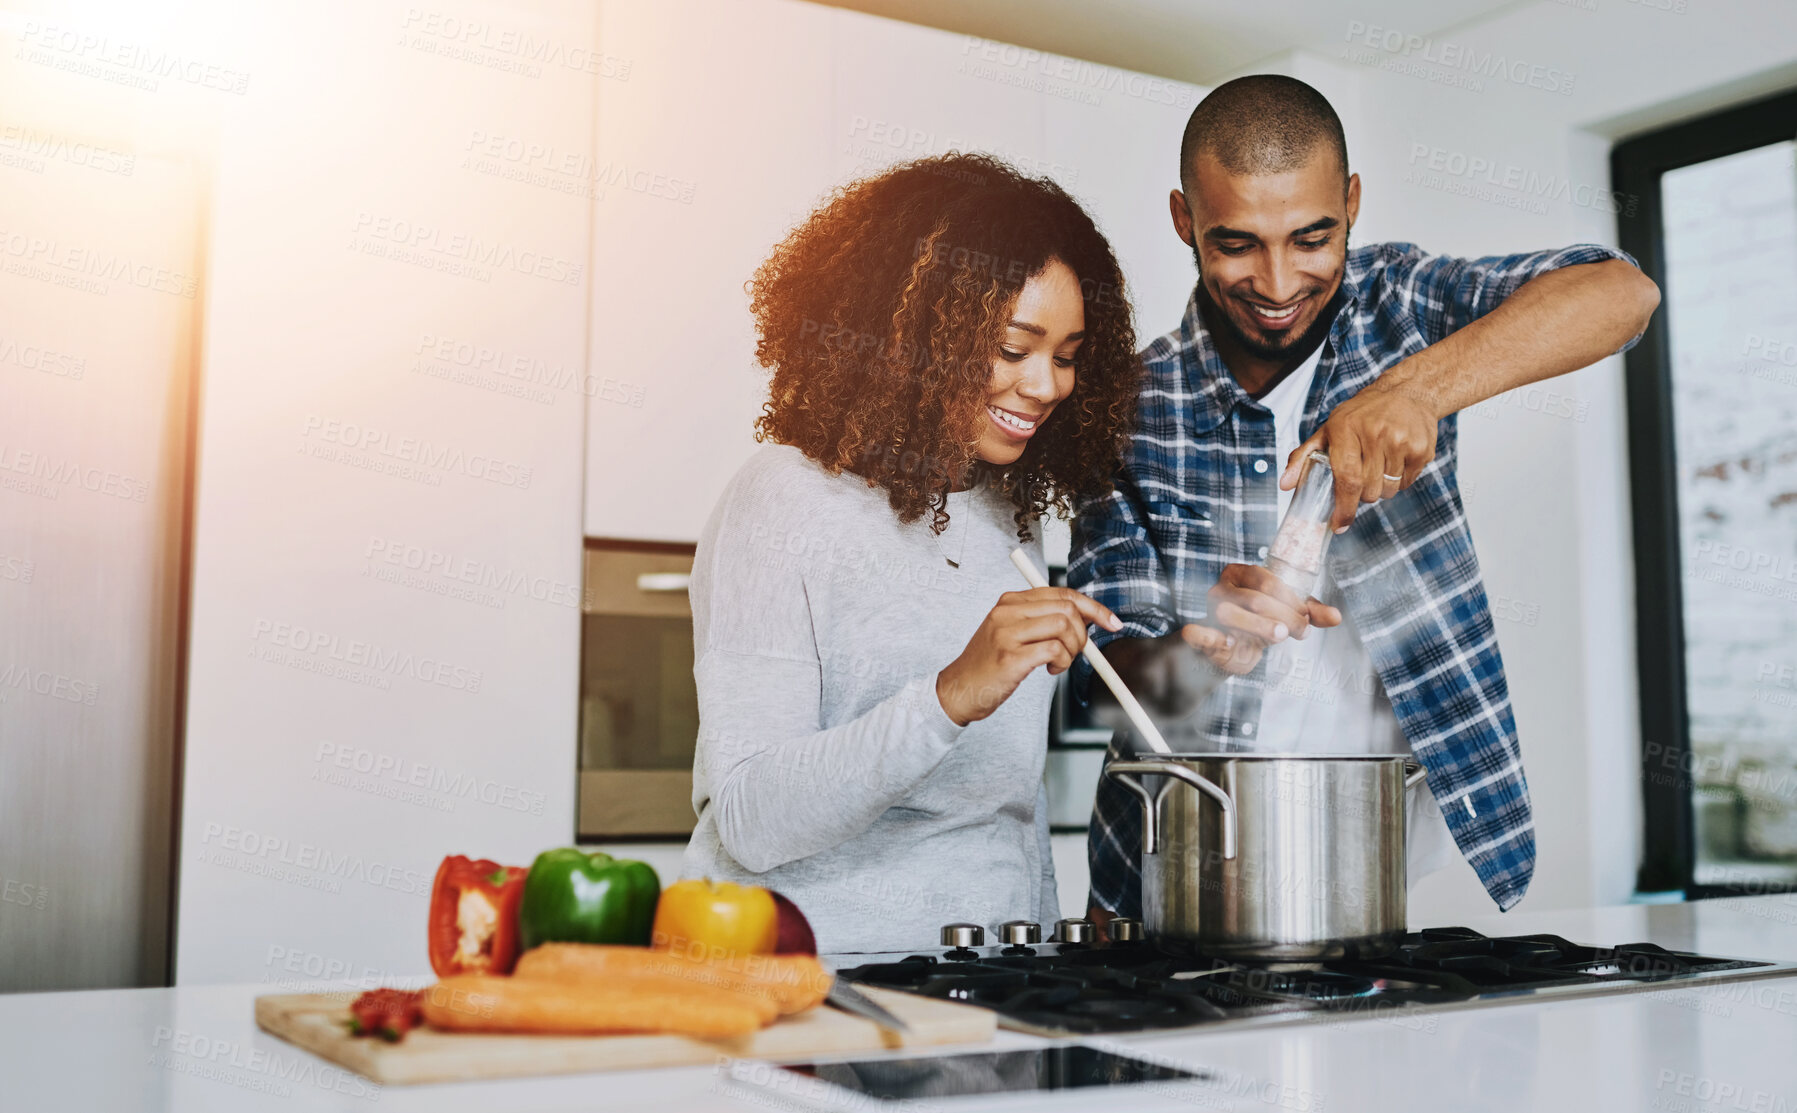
(1250, 609)
(1554, 323)
(1378, 442)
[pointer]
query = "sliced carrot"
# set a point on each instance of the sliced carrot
(490, 1003)
(793, 982)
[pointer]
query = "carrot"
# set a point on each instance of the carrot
(492, 1003)
(793, 982)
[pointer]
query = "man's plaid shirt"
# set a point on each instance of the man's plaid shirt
(1198, 490)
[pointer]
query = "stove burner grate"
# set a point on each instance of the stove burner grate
(1138, 987)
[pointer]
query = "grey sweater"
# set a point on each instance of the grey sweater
(826, 768)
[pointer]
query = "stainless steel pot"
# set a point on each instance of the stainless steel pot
(1278, 857)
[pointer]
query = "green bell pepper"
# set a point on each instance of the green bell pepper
(575, 897)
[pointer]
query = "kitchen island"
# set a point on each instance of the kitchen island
(1710, 1049)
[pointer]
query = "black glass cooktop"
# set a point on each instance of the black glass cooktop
(1078, 990)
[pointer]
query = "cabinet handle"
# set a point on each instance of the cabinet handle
(663, 581)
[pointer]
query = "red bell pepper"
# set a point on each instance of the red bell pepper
(474, 916)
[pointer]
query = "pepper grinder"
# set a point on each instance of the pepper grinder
(1298, 549)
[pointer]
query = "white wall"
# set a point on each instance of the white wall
(399, 269)
(741, 117)
(1545, 475)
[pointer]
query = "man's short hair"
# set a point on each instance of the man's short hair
(1265, 123)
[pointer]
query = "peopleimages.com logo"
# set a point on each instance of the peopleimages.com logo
(449, 246)
(36, 357)
(1475, 169)
(277, 1073)
(388, 774)
(453, 567)
(72, 260)
(22, 678)
(123, 61)
(277, 858)
(414, 452)
(44, 146)
(1459, 58)
(506, 48)
(362, 655)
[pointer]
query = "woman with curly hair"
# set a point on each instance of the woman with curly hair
(952, 357)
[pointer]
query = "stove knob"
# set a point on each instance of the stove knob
(1124, 929)
(1073, 930)
(1020, 933)
(963, 935)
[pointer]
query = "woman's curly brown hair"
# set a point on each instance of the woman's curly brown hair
(881, 317)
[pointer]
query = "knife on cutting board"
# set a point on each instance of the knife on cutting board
(850, 1000)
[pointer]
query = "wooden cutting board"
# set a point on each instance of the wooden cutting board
(315, 1021)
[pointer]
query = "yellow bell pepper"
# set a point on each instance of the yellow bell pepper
(715, 919)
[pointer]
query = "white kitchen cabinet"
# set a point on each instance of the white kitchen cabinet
(385, 624)
(709, 152)
(751, 111)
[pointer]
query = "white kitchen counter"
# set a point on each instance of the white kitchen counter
(1715, 1050)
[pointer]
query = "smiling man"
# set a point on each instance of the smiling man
(1293, 342)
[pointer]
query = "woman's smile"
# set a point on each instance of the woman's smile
(1022, 426)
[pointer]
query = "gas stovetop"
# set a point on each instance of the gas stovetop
(1059, 989)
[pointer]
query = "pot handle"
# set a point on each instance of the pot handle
(1150, 808)
(1411, 780)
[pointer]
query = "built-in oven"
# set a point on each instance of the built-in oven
(639, 709)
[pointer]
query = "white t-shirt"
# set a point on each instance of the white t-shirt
(1322, 695)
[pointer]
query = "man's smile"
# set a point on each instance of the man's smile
(1276, 317)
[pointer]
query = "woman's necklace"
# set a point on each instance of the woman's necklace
(956, 530)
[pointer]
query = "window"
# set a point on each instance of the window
(1713, 459)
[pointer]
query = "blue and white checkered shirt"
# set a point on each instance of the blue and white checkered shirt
(1198, 490)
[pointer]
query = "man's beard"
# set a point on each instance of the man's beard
(1254, 345)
